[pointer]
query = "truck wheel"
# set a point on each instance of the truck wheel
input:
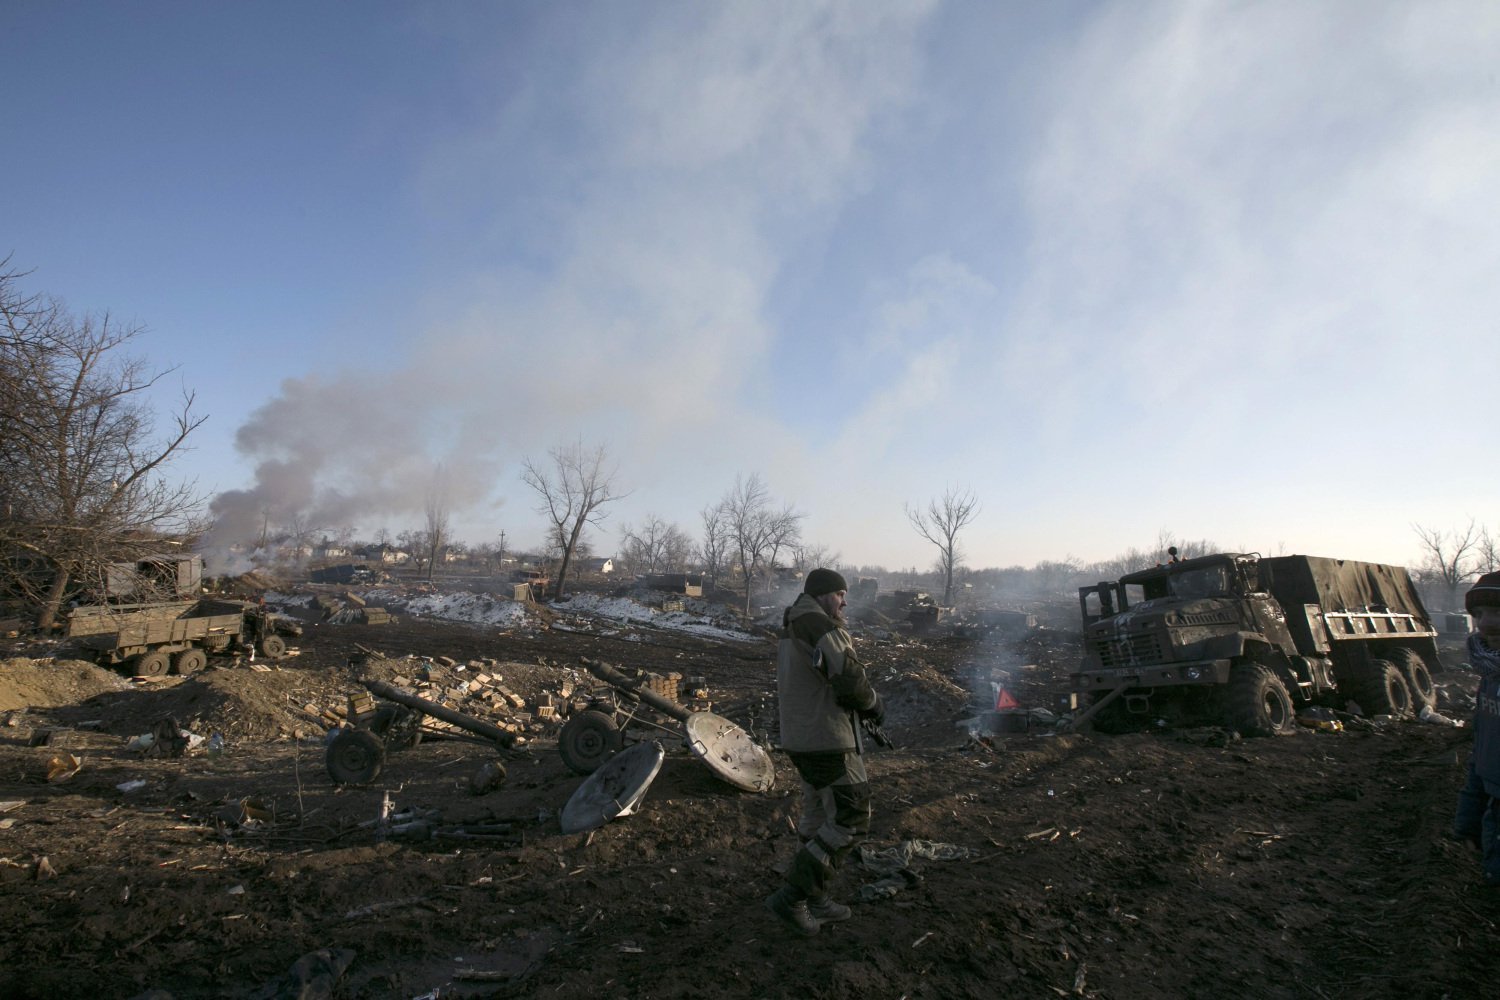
(355, 757)
(190, 661)
(1380, 689)
(1418, 678)
(152, 665)
(272, 647)
(588, 740)
(1259, 704)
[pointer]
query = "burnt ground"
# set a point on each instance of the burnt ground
(1164, 863)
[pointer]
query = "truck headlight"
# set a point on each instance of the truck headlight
(1194, 673)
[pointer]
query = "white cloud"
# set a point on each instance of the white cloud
(1256, 242)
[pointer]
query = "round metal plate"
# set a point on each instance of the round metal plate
(615, 789)
(729, 752)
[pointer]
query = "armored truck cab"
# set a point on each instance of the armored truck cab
(1244, 640)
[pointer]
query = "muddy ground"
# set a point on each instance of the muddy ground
(1157, 864)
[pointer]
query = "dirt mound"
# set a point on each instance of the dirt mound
(240, 704)
(52, 683)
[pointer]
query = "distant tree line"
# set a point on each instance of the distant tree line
(85, 485)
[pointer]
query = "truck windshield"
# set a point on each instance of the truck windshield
(1205, 581)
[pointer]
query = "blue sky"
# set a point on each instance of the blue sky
(1220, 269)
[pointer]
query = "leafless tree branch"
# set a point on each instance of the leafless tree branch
(940, 523)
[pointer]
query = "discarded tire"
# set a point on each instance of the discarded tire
(1259, 704)
(355, 757)
(1418, 678)
(588, 740)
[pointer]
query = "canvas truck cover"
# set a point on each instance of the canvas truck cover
(1339, 584)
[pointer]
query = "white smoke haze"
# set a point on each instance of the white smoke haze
(1236, 248)
(646, 332)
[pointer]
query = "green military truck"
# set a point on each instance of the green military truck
(1243, 640)
(152, 640)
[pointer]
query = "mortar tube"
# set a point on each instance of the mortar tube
(465, 722)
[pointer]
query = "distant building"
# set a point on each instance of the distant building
(598, 565)
(386, 554)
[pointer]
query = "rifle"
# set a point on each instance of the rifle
(876, 732)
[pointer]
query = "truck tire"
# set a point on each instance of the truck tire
(152, 664)
(190, 661)
(588, 740)
(1258, 702)
(1380, 689)
(272, 647)
(1418, 678)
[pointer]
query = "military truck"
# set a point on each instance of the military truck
(152, 640)
(1246, 641)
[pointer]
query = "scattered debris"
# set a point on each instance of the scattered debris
(62, 767)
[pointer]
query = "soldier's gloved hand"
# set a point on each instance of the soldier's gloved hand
(876, 712)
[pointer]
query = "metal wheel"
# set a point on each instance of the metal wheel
(190, 661)
(588, 740)
(272, 647)
(154, 664)
(355, 757)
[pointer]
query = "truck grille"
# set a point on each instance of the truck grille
(1128, 651)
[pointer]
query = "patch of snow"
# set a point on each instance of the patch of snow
(481, 609)
(591, 613)
(694, 621)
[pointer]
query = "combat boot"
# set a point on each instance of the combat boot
(826, 911)
(792, 911)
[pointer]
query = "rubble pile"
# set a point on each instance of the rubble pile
(476, 688)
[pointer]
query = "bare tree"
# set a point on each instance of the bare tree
(1488, 560)
(809, 557)
(940, 524)
(298, 532)
(713, 551)
(757, 530)
(1166, 541)
(83, 483)
(573, 493)
(435, 534)
(1449, 558)
(657, 547)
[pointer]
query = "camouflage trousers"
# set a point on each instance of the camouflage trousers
(835, 817)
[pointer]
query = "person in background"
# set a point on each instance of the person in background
(1477, 819)
(822, 694)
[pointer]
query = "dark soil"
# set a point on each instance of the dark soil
(1165, 863)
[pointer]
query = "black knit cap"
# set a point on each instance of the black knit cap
(823, 581)
(1485, 593)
